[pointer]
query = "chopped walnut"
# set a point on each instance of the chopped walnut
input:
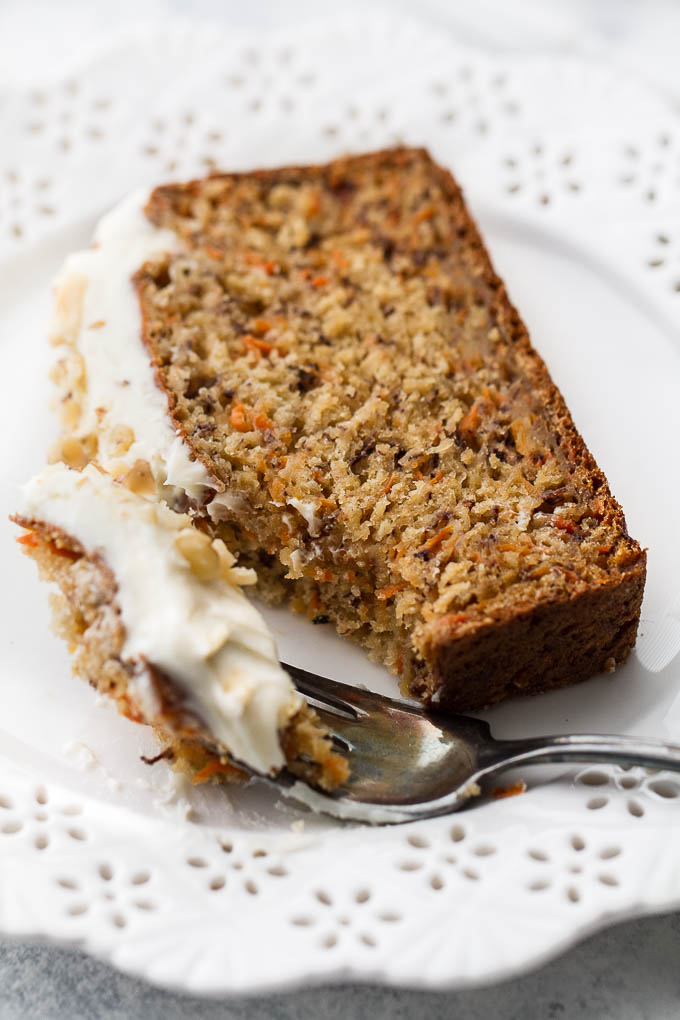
(70, 412)
(70, 451)
(122, 438)
(226, 558)
(241, 576)
(75, 452)
(69, 309)
(198, 551)
(140, 479)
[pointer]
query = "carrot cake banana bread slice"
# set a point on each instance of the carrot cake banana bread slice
(154, 611)
(342, 392)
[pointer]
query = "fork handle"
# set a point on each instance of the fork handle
(595, 747)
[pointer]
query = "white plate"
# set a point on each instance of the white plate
(219, 891)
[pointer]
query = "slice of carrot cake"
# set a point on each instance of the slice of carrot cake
(331, 379)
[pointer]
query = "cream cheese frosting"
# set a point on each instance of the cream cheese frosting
(204, 634)
(99, 317)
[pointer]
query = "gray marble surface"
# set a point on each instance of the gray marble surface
(631, 972)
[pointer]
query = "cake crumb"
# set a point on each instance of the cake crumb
(82, 755)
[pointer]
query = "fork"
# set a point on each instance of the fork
(406, 764)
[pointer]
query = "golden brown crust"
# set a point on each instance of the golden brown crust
(532, 650)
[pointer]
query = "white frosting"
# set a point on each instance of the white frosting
(121, 388)
(223, 502)
(308, 511)
(204, 634)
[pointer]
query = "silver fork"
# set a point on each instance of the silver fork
(407, 764)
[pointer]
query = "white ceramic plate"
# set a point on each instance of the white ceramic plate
(233, 891)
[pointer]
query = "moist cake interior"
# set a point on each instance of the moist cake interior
(338, 352)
